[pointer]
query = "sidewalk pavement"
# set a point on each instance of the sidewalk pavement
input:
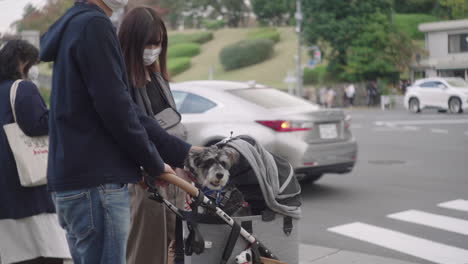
(311, 254)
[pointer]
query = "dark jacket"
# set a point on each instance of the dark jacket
(32, 117)
(97, 134)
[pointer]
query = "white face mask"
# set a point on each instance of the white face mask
(150, 56)
(33, 73)
(115, 4)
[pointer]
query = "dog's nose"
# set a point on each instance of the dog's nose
(219, 176)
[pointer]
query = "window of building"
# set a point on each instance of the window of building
(458, 43)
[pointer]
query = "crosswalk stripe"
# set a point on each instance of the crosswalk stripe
(412, 128)
(423, 122)
(433, 220)
(439, 131)
(411, 245)
(460, 205)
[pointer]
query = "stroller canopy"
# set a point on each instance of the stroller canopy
(273, 175)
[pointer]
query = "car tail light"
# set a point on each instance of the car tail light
(285, 126)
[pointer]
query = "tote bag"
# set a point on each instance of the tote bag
(30, 153)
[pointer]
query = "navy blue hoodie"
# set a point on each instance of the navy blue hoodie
(97, 134)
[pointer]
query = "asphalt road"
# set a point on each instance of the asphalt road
(393, 204)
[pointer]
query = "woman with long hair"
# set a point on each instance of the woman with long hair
(29, 228)
(143, 38)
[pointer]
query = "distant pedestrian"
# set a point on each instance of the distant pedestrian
(29, 229)
(371, 93)
(349, 93)
(330, 97)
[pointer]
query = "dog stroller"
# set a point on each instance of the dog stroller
(273, 194)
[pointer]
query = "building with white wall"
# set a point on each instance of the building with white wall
(447, 46)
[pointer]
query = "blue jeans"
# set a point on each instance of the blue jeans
(97, 222)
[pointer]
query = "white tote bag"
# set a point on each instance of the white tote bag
(30, 153)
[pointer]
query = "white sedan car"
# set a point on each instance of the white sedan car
(314, 140)
(439, 93)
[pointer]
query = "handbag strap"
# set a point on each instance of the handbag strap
(13, 90)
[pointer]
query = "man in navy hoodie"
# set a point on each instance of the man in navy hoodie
(99, 140)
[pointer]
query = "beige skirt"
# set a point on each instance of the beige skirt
(32, 237)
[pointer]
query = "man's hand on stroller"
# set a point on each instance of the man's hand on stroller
(154, 180)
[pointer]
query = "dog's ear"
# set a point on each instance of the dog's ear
(194, 159)
(232, 154)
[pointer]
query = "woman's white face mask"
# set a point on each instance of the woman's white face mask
(115, 4)
(33, 73)
(150, 56)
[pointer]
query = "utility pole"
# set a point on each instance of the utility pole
(299, 73)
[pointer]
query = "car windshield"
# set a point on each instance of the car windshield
(458, 83)
(269, 98)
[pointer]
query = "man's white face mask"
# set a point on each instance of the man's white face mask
(115, 4)
(150, 56)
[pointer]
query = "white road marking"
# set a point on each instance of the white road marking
(439, 131)
(356, 126)
(423, 122)
(411, 128)
(411, 245)
(460, 205)
(433, 220)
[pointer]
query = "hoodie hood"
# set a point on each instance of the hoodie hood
(50, 41)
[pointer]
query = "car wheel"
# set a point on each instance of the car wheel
(455, 106)
(414, 105)
(311, 178)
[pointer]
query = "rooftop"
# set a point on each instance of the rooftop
(444, 25)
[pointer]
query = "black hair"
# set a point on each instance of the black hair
(11, 54)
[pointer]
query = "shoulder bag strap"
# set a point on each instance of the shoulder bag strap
(14, 88)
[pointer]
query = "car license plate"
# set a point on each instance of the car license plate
(328, 131)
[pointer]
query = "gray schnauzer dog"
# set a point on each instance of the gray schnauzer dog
(211, 165)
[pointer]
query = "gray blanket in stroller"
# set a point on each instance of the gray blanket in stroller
(275, 176)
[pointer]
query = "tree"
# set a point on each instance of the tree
(415, 6)
(353, 32)
(41, 20)
(275, 11)
(457, 9)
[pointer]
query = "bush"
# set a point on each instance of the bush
(245, 53)
(183, 50)
(45, 93)
(408, 23)
(268, 33)
(315, 75)
(178, 65)
(198, 37)
(213, 24)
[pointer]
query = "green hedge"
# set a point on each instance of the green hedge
(198, 37)
(213, 24)
(183, 50)
(245, 53)
(178, 65)
(315, 75)
(268, 33)
(408, 23)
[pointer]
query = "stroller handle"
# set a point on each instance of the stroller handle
(179, 182)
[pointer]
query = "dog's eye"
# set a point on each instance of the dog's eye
(223, 164)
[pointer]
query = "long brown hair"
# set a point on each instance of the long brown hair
(142, 26)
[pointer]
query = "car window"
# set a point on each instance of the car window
(188, 103)
(428, 85)
(179, 98)
(269, 98)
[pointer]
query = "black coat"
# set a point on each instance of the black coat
(32, 117)
(97, 134)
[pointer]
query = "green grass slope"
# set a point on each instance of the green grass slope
(408, 23)
(270, 72)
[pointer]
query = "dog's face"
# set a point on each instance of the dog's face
(211, 165)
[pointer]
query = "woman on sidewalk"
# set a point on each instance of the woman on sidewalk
(29, 230)
(143, 38)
